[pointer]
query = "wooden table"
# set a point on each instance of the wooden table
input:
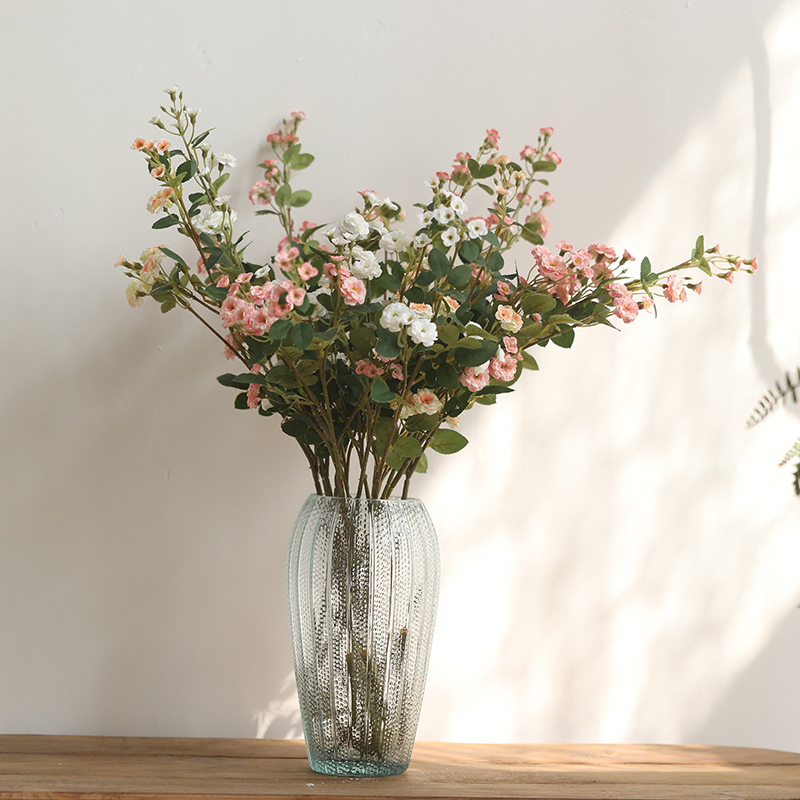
(96, 768)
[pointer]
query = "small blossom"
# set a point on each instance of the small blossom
(307, 271)
(396, 316)
(674, 289)
(423, 331)
(450, 237)
(353, 291)
(509, 319)
(474, 378)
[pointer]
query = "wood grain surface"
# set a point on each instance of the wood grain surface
(97, 768)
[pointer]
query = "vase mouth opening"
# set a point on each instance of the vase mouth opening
(358, 500)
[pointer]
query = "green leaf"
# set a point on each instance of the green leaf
(220, 182)
(422, 422)
(299, 198)
(474, 167)
(460, 275)
(388, 348)
(447, 376)
(544, 166)
(174, 256)
(474, 357)
(530, 234)
(422, 465)
(446, 441)
(448, 334)
(469, 251)
(381, 393)
(280, 329)
(187, 170)
(538, 303)
(241, 402)
(565, 339)
(200, 138)
(166, 222)
(646, 270)
(407, 447)
(300, 161)
(528, 361)
(438, 262)
(699, 247)
(295, 426)
(283, 195)
(362, 340)
(495, 261)
(281, 375)
(302, 335)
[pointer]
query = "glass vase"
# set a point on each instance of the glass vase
(362, 588)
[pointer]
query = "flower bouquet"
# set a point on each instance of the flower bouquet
(369, 340)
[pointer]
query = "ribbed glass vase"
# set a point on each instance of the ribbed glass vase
(362, 588)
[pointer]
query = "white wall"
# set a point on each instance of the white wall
(620, 557)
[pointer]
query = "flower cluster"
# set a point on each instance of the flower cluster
(370, 340)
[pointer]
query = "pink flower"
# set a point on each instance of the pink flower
(157, 172)
(474, 381)
(754, 263)
(160, 199)
(253, 390)
(368, 369)
(554, 157)
(296, 295)
(546, 131)
(223, 282)
(492, 137)
(546, 198)
(510, 344)
(509, 319)
(503, 369)
(648, 304)
(307, 271)
(526, 151)
(298, 115)
(397, 370)
(674, 290)
(698, 287)
(138, 144)
(353, 291)
(602, 252)
(261, 193)
(162, 146)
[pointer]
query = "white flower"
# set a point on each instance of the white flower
(222, 158)
(422, 240)
(450, 237)
(423, 331)
(425, 218)
(172, 90)
(444, 214)
(433, 183)
(208, 220)
(354, 227)
(395, 316)
(371, 198)
(387, 203)
(262, 273)
(395, 241)
(477, 227)
(378, 224)
(458, 205)
(365, 265)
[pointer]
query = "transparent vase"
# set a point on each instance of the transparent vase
(362, 586)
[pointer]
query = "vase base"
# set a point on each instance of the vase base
(363, 769)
